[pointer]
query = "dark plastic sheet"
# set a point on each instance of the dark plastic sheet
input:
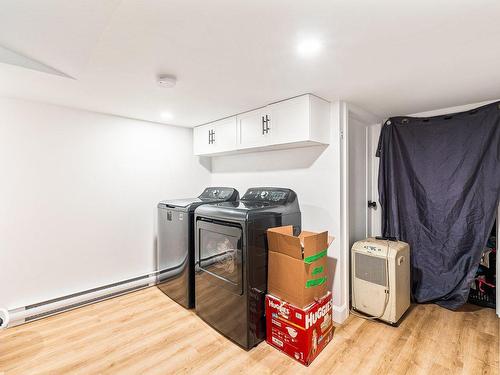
(439, 187)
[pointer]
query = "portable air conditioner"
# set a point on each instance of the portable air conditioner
(380, 272)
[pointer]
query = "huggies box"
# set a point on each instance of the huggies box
(300, 333)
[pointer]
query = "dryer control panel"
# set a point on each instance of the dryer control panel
(274, 195)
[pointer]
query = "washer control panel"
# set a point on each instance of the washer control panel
(217, 193)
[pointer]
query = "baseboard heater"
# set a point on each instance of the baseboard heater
(11, 318)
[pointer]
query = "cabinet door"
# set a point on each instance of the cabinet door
(224, 135)
(202, 139)
(218, 136)
(290, 120)
(253, 128)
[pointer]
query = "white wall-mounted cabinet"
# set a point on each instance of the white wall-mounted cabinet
(215, 137)
(296, 122)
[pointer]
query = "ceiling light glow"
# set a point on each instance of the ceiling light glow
(309, 47)
(166, 116)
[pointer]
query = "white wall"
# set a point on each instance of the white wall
(78, 192)
(314, 173)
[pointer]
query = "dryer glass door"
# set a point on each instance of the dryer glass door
(220, 254)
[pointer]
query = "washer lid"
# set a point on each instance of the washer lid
(180, 202)
(209, 195)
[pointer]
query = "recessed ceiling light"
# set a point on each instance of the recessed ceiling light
(166, 116)
(309, 47)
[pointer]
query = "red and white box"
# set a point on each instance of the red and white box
(300, 333)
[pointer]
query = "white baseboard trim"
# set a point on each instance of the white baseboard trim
(340, 314)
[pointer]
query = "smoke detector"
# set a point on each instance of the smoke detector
(166, 80)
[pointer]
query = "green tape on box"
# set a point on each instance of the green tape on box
(315, 257)
(315, 282)
(317, 270)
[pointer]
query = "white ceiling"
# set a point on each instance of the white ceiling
(388, 57)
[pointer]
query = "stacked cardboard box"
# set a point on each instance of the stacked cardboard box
(299, 305)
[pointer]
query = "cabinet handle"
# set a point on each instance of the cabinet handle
(211, 137)
(265, 124)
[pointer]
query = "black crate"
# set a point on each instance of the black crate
(485, 299)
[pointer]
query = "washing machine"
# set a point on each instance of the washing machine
(231, 260)
(176, 242)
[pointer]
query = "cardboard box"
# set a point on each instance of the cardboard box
(298, 268)
(300, 333)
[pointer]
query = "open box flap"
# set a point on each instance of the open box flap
(282, 240)
(307, 245)
(315, 245)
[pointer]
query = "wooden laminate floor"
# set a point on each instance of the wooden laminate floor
(146, 333)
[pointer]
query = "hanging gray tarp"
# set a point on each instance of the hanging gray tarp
(439, 187)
